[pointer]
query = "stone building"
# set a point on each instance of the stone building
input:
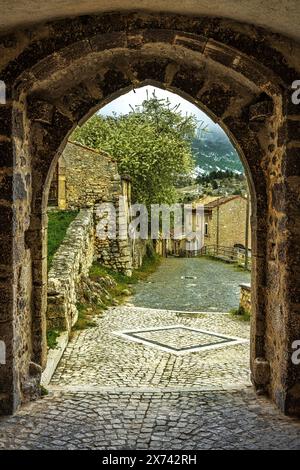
(234, 60)
(226, 224)
(84, 177)
(225, 221)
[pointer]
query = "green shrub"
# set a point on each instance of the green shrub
(97, 271)
(52, 336)
(149, 266)
(118, 292)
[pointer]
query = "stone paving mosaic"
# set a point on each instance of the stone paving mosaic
(99, 357)
(179, 339)
(184, 420)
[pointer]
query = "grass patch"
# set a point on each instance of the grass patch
(97, 271)
(52, 336)
(58, 222)
(44, 391)
(241, 314)
(85, 317)
(123, 283)
(241, 268)
(149, 266)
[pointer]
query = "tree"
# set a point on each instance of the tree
(152, 144)
(214, 184)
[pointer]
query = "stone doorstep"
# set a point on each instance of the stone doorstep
(54, 356)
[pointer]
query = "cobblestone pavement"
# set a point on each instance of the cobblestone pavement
(114, 393)
(98, 356)
(150, 420)
(191, 284)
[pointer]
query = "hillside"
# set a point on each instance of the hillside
(214, 151)
(216, 183)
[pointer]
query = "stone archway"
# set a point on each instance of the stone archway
(61, 73)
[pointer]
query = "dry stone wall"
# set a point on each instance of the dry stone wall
(89, 178)
(70, 263)
(245, 297)
(112, 250)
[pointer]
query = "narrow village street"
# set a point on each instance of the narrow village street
(151, 378)
(192, 284)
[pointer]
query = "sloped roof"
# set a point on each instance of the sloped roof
(206, 200)
(90, 149)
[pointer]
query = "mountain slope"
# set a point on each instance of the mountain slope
(214, 151)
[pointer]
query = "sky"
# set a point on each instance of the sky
(122, 104)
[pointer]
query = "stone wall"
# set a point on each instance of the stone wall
(232, 223)
(84, 177)
(245, 297)
(115, 254)
(71, 261)
(112, 249)
(88, 178)
(142, 249)
(120, 254)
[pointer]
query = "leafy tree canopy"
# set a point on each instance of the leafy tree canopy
(152, 144)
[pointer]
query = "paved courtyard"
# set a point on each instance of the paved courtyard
(100, 356)
(118, 391)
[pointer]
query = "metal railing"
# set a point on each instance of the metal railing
(226, 253)
(215, 250)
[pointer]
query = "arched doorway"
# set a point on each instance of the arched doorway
(78, 66)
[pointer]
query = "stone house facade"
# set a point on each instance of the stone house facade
(225, 220)
(84, 177)
(224, 225)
